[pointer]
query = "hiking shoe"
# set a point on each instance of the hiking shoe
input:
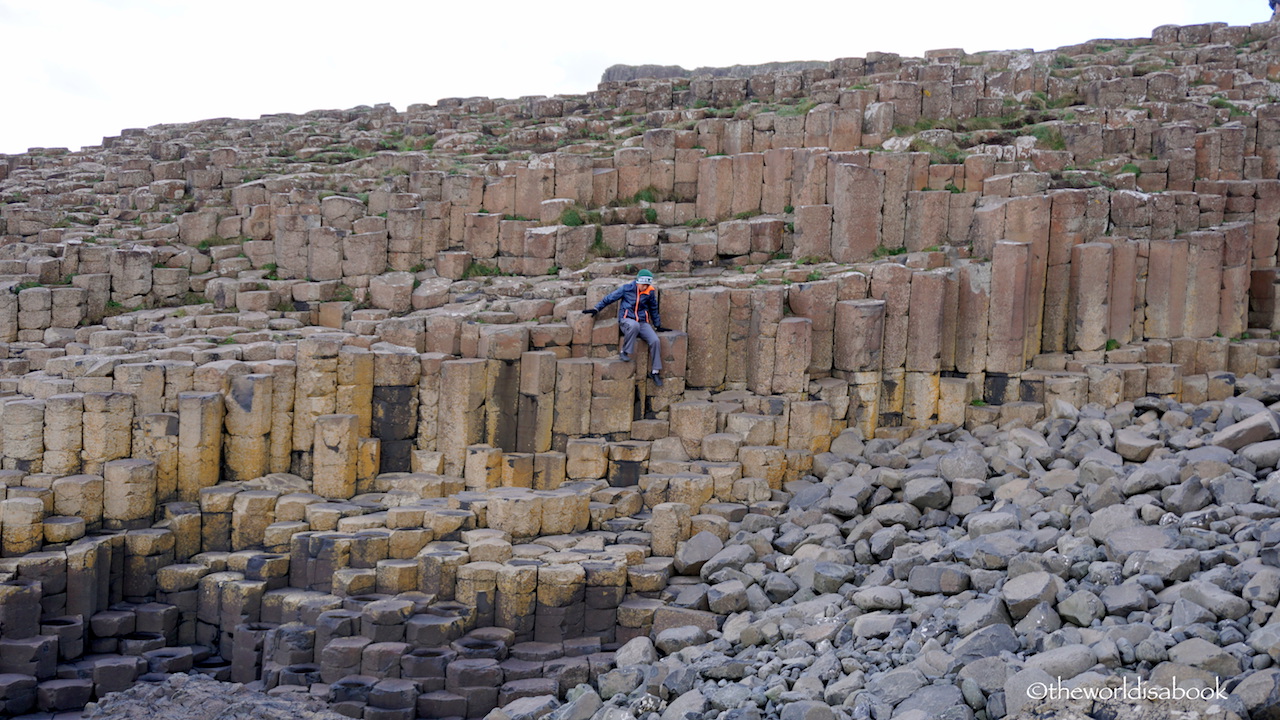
(624, 358)
(657, 379)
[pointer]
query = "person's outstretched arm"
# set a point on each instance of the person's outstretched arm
(608, 300)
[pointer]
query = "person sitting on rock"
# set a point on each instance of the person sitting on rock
(637, 315)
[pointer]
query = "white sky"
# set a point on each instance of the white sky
(77, 70)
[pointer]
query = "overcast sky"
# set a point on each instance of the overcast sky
(81, 69)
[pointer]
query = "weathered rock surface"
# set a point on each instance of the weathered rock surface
(199, 697)
(970, 387)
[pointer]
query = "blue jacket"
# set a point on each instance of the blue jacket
(634, 303)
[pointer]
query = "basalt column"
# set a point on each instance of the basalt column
(396, 374)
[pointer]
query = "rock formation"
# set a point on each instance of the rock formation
(969, 389)
(627, 73)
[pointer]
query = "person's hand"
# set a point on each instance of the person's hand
(659, 328)
(592, 312)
